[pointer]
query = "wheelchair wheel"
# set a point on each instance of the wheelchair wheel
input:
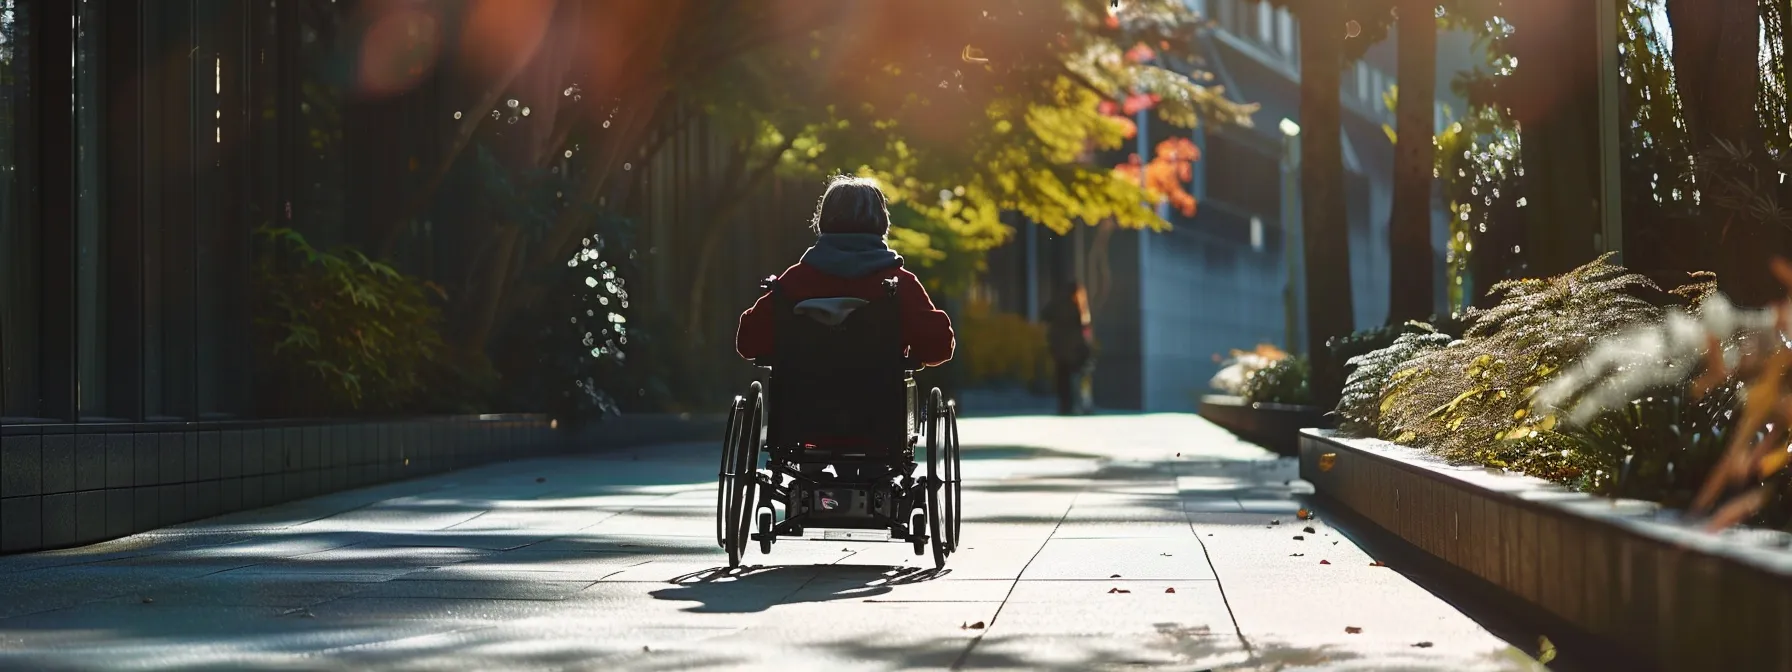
(723, 479)
(936, 492)
(765, 531)
(916, 525)
(954, 499)
(743, 479)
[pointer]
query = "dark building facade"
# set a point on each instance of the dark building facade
(126, 217)
(141, 144)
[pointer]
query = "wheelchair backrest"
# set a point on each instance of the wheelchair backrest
(846, 381)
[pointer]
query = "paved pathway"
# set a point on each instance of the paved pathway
(1090, 543)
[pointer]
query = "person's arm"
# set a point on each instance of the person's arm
(754, 337)
(925, 329)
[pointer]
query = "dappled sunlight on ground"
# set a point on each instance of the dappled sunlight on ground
(1092, 542)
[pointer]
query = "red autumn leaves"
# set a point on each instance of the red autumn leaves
(1168, 171)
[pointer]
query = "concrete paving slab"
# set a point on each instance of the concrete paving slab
(609, 562)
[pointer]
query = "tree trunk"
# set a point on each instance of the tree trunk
(488, 291)
(1329, 310)
(1411, 282)
(733, 195)
(1716, 46)
(1556, 104)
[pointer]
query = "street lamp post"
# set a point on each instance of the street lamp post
(1292, 296)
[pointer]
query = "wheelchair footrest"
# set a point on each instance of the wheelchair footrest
(848, 535)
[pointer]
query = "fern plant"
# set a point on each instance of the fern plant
(1359, 408)
(1463, 400)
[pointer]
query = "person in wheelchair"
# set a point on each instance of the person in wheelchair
(850, 266)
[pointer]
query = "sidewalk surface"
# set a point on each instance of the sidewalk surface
(1099, 542)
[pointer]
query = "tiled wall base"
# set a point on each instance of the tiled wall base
(66, 485)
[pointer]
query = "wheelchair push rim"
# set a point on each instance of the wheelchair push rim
(724, 473)
(937, 485)
(741, 478)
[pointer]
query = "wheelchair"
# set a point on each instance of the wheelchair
(839, 398)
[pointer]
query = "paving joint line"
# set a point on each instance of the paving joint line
(1182, 503)
(962, 657)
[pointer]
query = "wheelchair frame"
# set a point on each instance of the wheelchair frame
(920, 509)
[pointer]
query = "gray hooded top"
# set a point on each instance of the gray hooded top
(851, 255)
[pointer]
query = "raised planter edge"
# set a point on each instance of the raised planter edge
(1273, 426)
(1622, 572)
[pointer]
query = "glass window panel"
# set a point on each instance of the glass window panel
(20, 300)
(90, 216)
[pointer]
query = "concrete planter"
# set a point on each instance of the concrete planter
(65, 485)
(1621, 572)
(1273, 426)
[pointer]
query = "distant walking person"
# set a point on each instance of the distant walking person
(1071, 340)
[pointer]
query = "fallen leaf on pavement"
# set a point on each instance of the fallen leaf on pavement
(1378, 563)
(1297, 555)
(1422, 645)
(1325, 562)
(1275, 521)
(1111, 591)
(1304, 514)
(1299, 538)
(1169, 590)
(1352, 630)
(1115, 576)
(149, 600)
(1179, 454)
(1308, 529)
(974, 626)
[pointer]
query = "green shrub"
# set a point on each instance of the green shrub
(346, 333)
(1285, 381)
(1465, 401)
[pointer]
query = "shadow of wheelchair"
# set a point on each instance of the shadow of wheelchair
(756, 588)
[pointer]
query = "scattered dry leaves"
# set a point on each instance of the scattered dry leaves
(1112, 591)
(974, 626)
(1352, 630)
(1325, 562)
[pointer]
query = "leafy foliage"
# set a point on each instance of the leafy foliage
(582, 349)
(1461, 399)
(1359, 408)
(348, 332)
(1236, 371)
(1285, 381)
(1690, 410)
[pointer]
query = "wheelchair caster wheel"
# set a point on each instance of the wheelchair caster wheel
(916, 524)
(765, 533)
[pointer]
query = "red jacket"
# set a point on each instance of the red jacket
(927, 331)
